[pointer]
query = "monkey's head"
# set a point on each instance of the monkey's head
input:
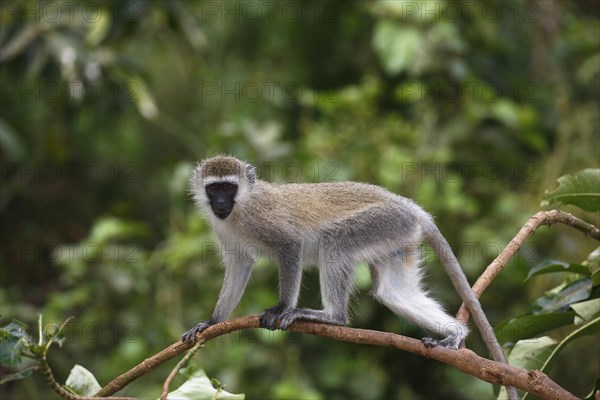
(219, 182)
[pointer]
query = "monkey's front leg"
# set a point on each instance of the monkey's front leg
(234, 283)
(336, 281)
(290, 275)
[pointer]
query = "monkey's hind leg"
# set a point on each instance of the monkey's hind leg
(397, 284)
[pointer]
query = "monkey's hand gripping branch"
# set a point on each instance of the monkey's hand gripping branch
(190, 336)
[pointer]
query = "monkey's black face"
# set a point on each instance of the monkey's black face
(221, 197)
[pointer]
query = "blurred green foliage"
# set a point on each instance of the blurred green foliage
(472, 108)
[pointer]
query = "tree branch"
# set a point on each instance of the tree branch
(541, 218)
(534, 382)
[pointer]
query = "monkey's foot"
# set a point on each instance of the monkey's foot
(190, 336)
(268, 319)
(450, 342)
(311, 315)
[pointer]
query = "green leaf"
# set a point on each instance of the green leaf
(82, 382)
(588, 310)
(199, 387)
(12, 338)
(180, 249)
(591, 328)
(592, 395)
(593, 263)
(111, 229)
(571, 293)
(142, 96)
(15, 329)
(532, 353)
(11, 142)
(596, 278)
(98, 30)
(557, 266)
(528, 326)
(593, 259)
(529, 354)
(581, 190)
(399, 47)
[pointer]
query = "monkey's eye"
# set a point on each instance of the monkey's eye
(228, 187)
(212, 188)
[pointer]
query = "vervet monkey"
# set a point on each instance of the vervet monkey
(335, 226)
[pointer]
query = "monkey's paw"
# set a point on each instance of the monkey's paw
(429, 342)
(190, 336)
(450, 342)
(268, 319)
(288, 317)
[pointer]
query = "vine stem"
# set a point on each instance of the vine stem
(179, 365)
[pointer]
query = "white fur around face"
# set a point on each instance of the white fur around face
(234, 179)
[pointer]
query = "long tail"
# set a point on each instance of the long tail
(442, 249)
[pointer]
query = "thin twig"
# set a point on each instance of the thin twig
(541, 218)
(535, 382)
(179, 365)
(61, 391)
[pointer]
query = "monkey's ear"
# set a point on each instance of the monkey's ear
(251, 174)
